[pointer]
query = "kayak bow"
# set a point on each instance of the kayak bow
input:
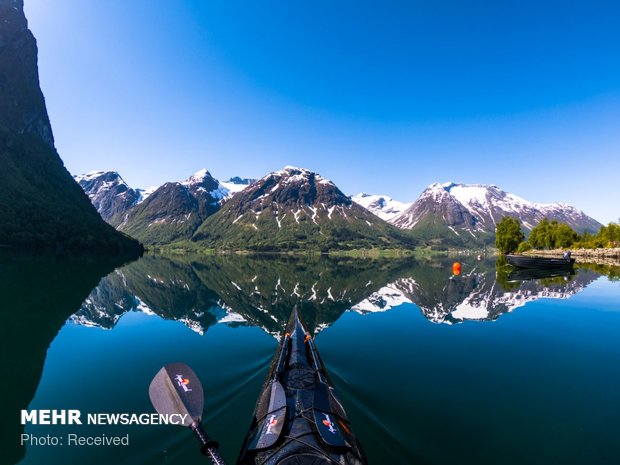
(298, 420)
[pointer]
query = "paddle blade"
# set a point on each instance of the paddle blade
(271, 426)
(326, 424)
(176, 389)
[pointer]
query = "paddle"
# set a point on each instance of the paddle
(326, 424)
(176, 389)
(273, 422)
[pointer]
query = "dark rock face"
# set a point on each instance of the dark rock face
(40, 204)
(22, 106)
(109, 193)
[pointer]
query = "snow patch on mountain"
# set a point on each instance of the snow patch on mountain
(234, 188)
(91, 176)
(145, 193)
(383, 206)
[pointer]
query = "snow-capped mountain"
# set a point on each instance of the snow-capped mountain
(295, 208)
(158, 214)
(469, 211)
(174, 210)
(383, 206)
(202, 183)
(108, 192)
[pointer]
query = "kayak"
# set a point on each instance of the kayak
(298, 419)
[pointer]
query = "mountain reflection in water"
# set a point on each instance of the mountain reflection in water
(38, 293)
(455, 381)
(204, 291)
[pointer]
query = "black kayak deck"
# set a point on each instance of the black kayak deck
(298, 419)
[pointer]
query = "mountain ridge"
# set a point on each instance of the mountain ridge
(454, 214)
(469, 212)
(296, 208)
(161, 214)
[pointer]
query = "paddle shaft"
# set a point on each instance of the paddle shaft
(315, 359)
(283, 354)
(208, 447)
(324, 418)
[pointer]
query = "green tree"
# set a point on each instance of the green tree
(609, 235)
(524, 247)
(540, 235)
(552, 235)
(564, 236)
(508, 235)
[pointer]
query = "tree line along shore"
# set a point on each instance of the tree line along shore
(553, 237)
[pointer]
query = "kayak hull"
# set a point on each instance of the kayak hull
(298, 418)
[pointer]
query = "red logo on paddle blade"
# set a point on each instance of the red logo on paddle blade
(182, 382)
(271, 422)
(328, 423)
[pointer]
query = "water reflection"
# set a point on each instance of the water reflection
(528, 274)
(38, 297)
(479, 293)
(203, 291)
(237, 290)
(37, 294)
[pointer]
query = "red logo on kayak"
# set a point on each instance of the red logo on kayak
(183, 382)
(328, 423)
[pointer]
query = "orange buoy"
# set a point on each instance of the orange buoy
(456, 268)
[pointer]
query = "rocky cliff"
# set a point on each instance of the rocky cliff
(40, 204)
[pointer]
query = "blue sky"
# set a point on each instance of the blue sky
(384, 97)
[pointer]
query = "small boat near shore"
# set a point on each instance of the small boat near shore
(540, 263)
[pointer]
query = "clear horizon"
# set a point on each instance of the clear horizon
(385, 99)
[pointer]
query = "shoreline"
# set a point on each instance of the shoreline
(610, 256)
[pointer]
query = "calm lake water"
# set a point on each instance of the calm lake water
(481, 368)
